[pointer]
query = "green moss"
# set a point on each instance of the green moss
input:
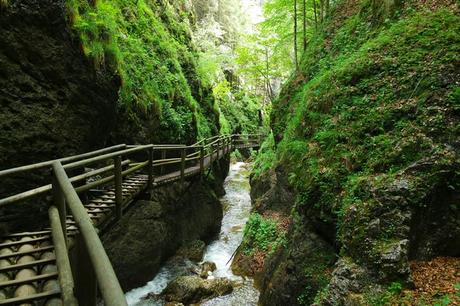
(374, 107)
(148, 45)
(262, 234)
(376, 100)
(265, 158)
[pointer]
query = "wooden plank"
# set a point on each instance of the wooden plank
(30, 298)
(20, 242)
(18, 282)
(38, 250)
(27, 265)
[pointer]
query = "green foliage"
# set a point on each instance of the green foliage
(219, 35)
(395, 288)
(266, 157)
(262, 234)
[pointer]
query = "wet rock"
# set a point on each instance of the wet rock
(193, 250)
(193, 289)
(207, 268)
(272, 191)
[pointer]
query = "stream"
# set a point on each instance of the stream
(237, 206)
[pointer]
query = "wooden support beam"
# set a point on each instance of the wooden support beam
(118, 186)
(182, 167)
(150, 170)
(202, 153)
(62, 258)
(59, 201)
(163, 157)
(97, 257)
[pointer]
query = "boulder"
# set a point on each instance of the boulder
(193, 250)
(207, 268)
(193, 289)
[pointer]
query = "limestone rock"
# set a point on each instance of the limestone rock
(193, 289)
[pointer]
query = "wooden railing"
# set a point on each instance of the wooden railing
(161, 164)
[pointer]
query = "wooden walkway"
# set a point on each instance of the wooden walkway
(65, 262)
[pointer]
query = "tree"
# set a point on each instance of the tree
(295, 36)
(304, 17)
(316, 14)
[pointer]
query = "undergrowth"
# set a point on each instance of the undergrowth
(262, 234)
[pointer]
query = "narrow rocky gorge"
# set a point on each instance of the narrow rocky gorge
(155, 228)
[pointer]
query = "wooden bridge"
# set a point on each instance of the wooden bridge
(65, 263)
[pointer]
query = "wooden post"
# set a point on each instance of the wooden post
(93, 263)
(62, 258)
(59, 202)
(150, 180)
(202, 161)
(163, 157)
(228, 144)
(182, 166)
(118, 187)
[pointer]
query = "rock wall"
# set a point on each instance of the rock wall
(55, 101)
(155, 228)
(306, 257)
(367, 132)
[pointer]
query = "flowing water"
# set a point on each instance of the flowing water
(237, 205)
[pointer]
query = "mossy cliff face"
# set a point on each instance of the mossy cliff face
(148, 44)
(77, 76)
(81, 75)
(368, 135)
(53, 102)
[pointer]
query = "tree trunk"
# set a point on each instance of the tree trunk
(316, 14)
(321, 3)
(328, 5)
(304, 25)
(296, 60)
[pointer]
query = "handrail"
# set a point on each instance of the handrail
(104, 157)
(77, 161)
(108, 282)
(62, 160)
(46, 188)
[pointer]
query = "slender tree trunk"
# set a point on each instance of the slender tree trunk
(328, 5)
(296, 60)
(321, 3)
(316, 14)
(304, 11)
(267, 73)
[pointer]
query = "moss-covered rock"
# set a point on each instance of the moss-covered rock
(367, 131)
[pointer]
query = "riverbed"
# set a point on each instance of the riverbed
(237, 206)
